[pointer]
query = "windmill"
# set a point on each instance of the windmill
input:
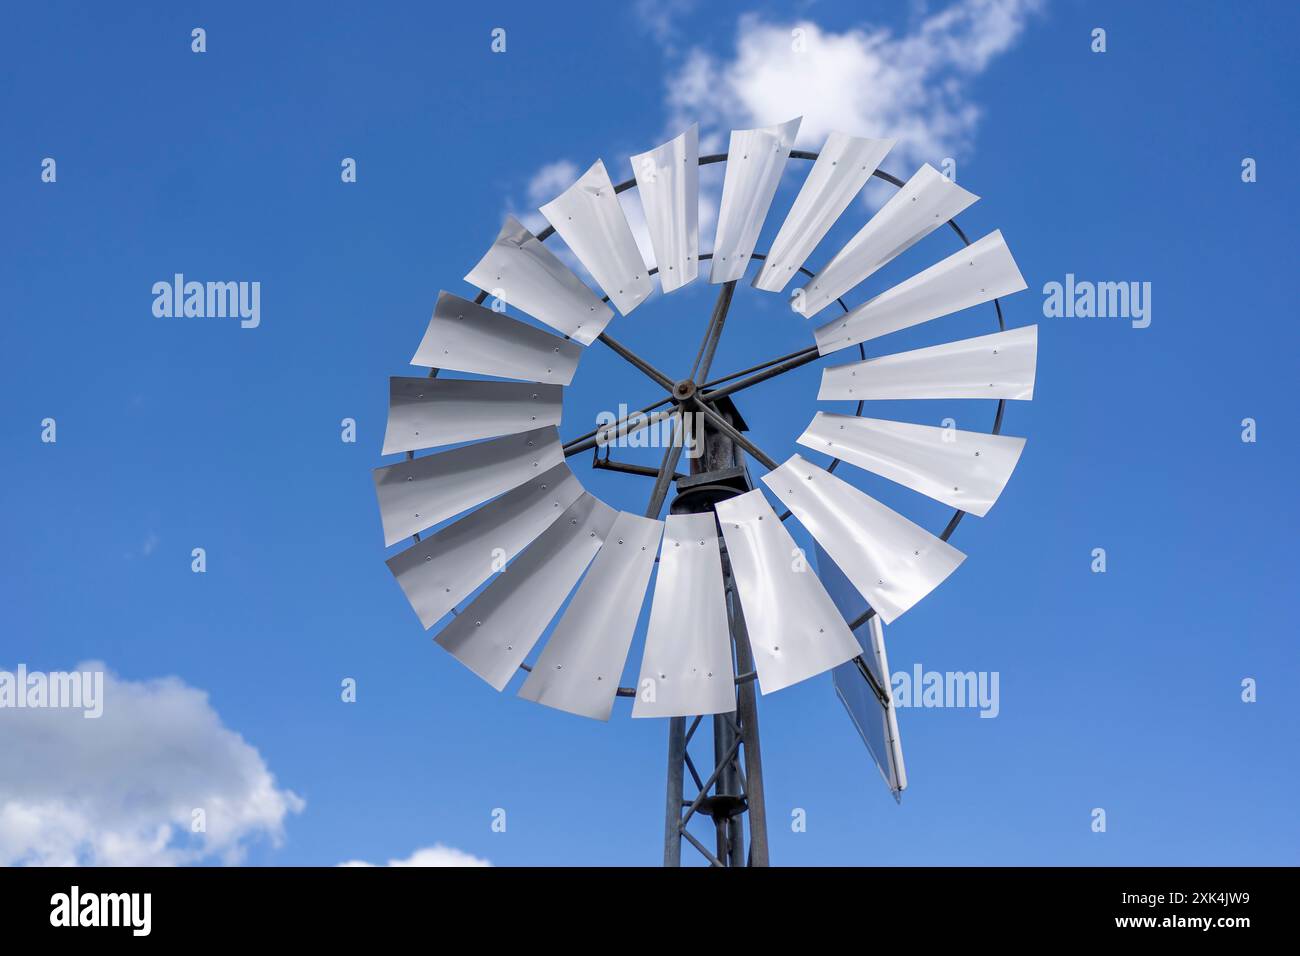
(729, 608)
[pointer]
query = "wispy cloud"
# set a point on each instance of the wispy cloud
(663, 19)
(436, 855)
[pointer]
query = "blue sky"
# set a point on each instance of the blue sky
(1119, 690)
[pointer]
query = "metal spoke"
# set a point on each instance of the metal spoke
(738, 437)
(654, 373)
(622, 428)
(666, 470)
(587, 441)
(713, 333)
(753, 368)
(794, 361)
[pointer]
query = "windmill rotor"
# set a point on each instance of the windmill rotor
(529, 547)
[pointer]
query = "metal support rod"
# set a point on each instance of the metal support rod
(626, 426)
(870, 678)
(729, 830)
(690, 766)
(795, 361)
(753, 368)
(747, 715)
(713, 333)
(634, 422)
(637, 361)
(713, 860)
(571, 447)
(667, 469)
(672, 823)
(627, 468)
(727, 429)
(713, 778)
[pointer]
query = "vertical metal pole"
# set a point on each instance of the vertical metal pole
(730, 830)
(676, 769)
(747, 713)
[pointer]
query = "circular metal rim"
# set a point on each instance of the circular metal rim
(893, 180)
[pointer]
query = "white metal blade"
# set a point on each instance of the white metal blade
(966, 470)
(439, 572)
(416, 494)
(755, 161)
(921, 205)
(427, 412)
(521, 271)
(580, 666)
(668, 180)
(590, 220)
(891, 561)
(686, 668)
(494, 634)
(466, 337)
(794, 629)
(1000, 365)
(842, 168)
(981, 272)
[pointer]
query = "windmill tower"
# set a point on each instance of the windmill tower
(734, 608)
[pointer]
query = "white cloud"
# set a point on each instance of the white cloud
(912, 87)
(436, 855)
(121, 790)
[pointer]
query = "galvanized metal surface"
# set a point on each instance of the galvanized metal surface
(686, 668)
(891, 561)
(924, 203)
(843, 167)
(1000, 365)
(795, 631)
(966, 470)
(589, 218)
(419, 493)
(466, 337)
(439, 572)
(521, 271)
(668, 182)
(427, 412)
(580, 666)
(864, 685)
(755, 161)
(876, 723)
(981, 272)
(494, 634)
